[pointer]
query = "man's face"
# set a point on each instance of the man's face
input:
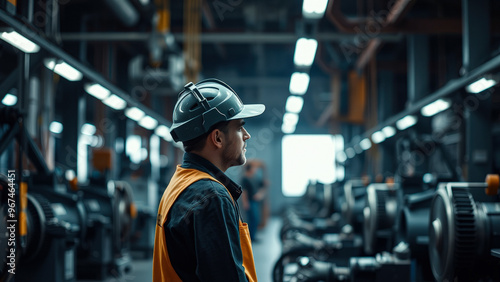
(234, 150)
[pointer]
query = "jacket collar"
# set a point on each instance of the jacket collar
(195, 161)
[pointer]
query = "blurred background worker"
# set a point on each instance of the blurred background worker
(254, 184)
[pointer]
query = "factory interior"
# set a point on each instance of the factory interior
(376, 158)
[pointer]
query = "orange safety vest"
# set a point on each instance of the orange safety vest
(162, 267)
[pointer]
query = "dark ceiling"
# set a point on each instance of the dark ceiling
(250, 45)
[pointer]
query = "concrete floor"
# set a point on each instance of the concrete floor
(266, 252)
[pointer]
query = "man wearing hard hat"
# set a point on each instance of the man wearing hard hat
(199, 232)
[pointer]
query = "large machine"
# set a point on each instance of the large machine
(61, 233)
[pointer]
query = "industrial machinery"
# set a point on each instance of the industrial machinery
(50, 222)
(106, 251)
(384, 266)
(464, 231)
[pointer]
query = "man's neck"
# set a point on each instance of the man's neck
(211, 158)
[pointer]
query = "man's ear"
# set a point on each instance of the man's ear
(216, 137)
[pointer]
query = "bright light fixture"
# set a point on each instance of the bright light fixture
(56, 127)
(19, 41)
(365, 144)
(299, 83)
(435, 107)
(294, 104)
(88, 129)
(378, 137)
(481, 84)
(305, 50)
(163, 132)
(314, 9)
(290, 118)
(389, 131)
(406, 122)
(97, 90)
(115, 102)
(63, 69)
(341, 157)
(134, 113)
(148, 122)
(9, 100)
(288, 128)
(350, 153)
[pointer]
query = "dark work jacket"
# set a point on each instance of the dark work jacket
(201, 230)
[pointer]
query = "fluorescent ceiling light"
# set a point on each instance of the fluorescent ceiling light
(378, 137)
(148, 122)
(134, 113)
(435, 107)
(389, 131)
(56, 127)
(350, 153)
(288, 128)
(481, 84)
(88, 129)
(63, 69)
(97, 90)
(299, 83)
(365, 144)
(19, 41)
(163, 132)
(341, 157)
(115, 102)
(305, 50)
(406, 122)
(294, 104)
(290, 118)
(9, 100)
(314, 9)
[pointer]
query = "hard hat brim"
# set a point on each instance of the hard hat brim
(248, 111)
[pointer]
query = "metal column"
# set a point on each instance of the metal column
(386, 84)
(476, 48)
(418, 68)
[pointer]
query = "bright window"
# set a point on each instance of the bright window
(307, 158)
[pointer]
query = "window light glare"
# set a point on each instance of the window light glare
(435, 107)
(305, 50)
(480, 85)
(9, 100)
(63, 69)
(148, 122)
(19, 41)
(97, 90)
(88, 129)
(115, 102)
(134, 113)
(294, 104)
(389, 131)
(56, 127)
(406, 122)
(299, 83)
(365, 144)
(378, 137)
(314, 9)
